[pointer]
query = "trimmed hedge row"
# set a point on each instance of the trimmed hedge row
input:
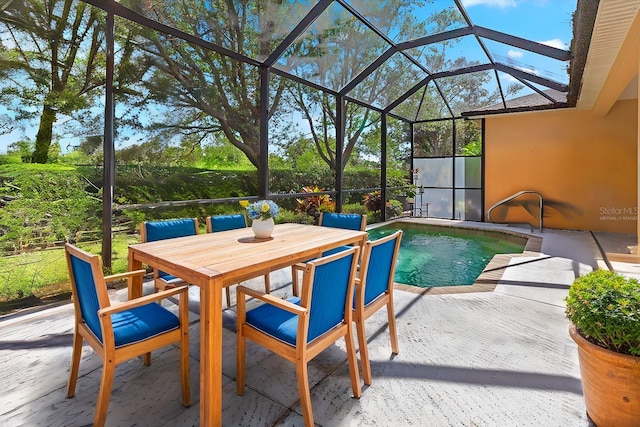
(44, 205)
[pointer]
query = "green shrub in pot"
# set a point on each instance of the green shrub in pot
(604, 306)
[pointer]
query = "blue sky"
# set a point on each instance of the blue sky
(544, 21)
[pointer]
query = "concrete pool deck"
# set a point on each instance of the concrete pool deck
(501, 357)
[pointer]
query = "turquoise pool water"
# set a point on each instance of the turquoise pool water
(444, 256)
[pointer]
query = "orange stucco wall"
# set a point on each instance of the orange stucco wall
(584, 166)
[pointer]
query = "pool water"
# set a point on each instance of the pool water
(444, 256)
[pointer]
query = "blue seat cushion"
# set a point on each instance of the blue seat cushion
(168, 277)
(274, 321)
(140, 323)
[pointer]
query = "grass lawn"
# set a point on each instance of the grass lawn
(38, 277)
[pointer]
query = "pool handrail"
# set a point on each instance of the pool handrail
(513, 196)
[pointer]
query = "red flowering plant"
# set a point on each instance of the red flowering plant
(315, 203)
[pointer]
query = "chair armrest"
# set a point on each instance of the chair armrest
(108, 311)
(124, 275)
(270, 299)
(299, 266)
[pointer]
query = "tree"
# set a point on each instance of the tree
(335, 54)
(332, 56)
(204, 93)
(51, 63)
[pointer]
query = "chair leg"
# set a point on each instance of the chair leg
(240, 362)
(364, 351)
(183, 307)
(305, 394)
(158, 285)
(392, 327)
(353, 363)
(228, 290)
(146, 359)
(294, 281)
(75, 363)
(184, 369)
(267, 283)
(102, 405)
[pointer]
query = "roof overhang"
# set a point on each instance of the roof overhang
(613, 50)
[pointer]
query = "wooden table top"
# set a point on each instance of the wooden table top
(235, 255)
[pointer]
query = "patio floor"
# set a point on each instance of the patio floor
(498, 358)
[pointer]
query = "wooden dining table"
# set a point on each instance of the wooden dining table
(213, 261)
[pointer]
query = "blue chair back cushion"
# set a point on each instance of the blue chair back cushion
(379, 270)
(160, 230)
(227, 222)
(129, 326)
(328, 299)
(330, 285)
(86, 294)
(340, 220)
(335, 250)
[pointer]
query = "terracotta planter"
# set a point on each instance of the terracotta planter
(610, 383)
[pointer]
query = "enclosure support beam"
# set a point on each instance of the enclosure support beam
(411, 162)
(483, 169)
(454, 138)
(383, 167)
(340, 117)
(263, 169)
(109, 171)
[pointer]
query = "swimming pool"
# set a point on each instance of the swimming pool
(445, 256)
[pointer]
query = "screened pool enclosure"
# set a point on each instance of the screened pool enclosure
(388, 85)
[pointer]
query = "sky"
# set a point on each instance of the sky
(544, 21)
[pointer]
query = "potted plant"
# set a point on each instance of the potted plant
(262, 214)
(604, 310)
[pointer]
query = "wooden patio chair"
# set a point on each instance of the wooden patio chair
(151, 231)
(299, 329)
(124, 331)
(374, 290)
(218, 223)
(345, 221)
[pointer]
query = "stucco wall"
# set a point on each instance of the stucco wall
(585, 167)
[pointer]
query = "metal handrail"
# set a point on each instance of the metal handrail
(513, 196)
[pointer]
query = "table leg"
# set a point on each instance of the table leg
(211, 354)
(135, 281)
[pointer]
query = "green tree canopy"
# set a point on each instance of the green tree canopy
(51, 63)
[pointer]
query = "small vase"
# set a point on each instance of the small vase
(262, 228)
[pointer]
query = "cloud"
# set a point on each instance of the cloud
(511, 79)
(490, 3)
(515, 54)
(529, 70)
(557, 43)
